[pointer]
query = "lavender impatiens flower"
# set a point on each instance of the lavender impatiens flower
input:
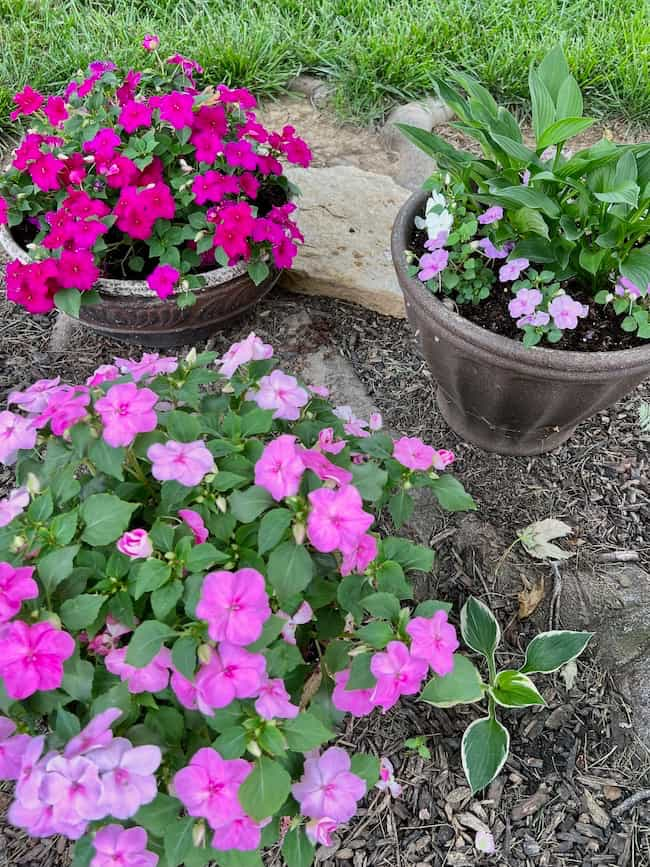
(524, 303)
(492, 215)
(493, 252)
(432, 264)
(566, 312)
(512, 269)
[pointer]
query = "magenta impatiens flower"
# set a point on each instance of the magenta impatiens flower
(27, 101)
(250, 349)
(16, 433)
(566, 312)
(328, 788)
(163, 280)
(434, 639)
(119, 847)
(411, 452)
(358, 702)
(195, 522)
(231, 673)
(153, 677)
(432, 263)
(126, 411)
(12, 505)
(208, 786)
(524, 303)
(96, 734)
(280, 392)
(185, 463)
(492, 215)
(135, 544)
(16, 584)
(274, 701)
(235, 605)
(512, 269)
(397, 673)
(150, 42)
(280, 468)
(127, 776)
(32, 657)
(336, 519)
(12, 748)
(358, 557)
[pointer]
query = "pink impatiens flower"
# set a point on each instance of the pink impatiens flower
(152, 677)
(358, 557)
(35, 398)
(492, 215)
(126, 411)
(336, 519)
(280, 392)
(185, 463)
(512, 269)
(12, 748)
(280, 468)
(273, 701)
(32, 657)
(387, 781)
(235, 605)
(195, 522)
(492, 252)
(434, 639)
(324, 469)
(397, 673)
(163, 280)
(135, 544)
(12, 505)
(566, 312)
(127, 776)
(524, 302)
(240, 834)
(150, 42)
(73, 788)
(231, 673)
(328, 443)
(16, 433)
(27, 101)
(432, 264)
(328, 788)
(411, 452)
(16, 584)
(320, 831)
(96, 734)
(442, 458)
(358, 702)
(250, 349)
(150, 365)
(303, 615)
(208, 786)
(66, 406)
(117, 847)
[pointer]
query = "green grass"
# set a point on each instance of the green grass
(376, 52)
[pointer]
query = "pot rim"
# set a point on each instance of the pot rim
(504, 348)
(129, 288)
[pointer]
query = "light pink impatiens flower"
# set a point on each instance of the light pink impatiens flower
(16, 584)
(240, 834)
(324, 469)
(273, 701)
(387, 781)
(117, 847)
(328, 443)
(16, 433)
(328, 788)
(250, 349)
(185, 463)
(397, 673)
(336, 519)
(280, 392)
(208, 786)
(148, 367)
(135, 544)
(73, 788)
(231, 673)
(358, 702)
(96, 734)
(442, 458)
(153, 677)
(35, 398)
(303, 615)
(434, 639)
(126, 411)
(127, 776)
(280, 468)
(32, 657)
(12, 749)
(12, 505)
(411, 452)
(235, 605)
(566, 312)
(320, 831)
(195, 522)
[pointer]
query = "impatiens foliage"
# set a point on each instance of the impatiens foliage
(193, 593)
(142, 174)
(540, 219)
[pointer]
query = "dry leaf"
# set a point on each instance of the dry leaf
(569, 674)
(311, 687)
(530, 598)
(536, 539)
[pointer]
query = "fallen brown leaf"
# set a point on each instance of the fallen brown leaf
(530, 598)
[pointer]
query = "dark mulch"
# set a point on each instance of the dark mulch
(571, 763)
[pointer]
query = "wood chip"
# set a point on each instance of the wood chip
(598, 815)
(531, 805)
(612, 793)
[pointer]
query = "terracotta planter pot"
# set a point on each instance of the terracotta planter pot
(492, 390)
(129, 311)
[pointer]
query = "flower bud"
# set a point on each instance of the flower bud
(33, 484)
(228, 389)
(298, 531)
(17, 544)
(198, 834)
(190, 358)
(185, 167)
(54, 619)
(204, 653)
(222, 505)
(474, 244)
(254, 749)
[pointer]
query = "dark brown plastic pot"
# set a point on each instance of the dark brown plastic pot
(129, 310)
(492, 390)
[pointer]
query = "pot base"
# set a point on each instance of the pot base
(491, 439)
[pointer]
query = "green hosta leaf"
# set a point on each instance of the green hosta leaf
(157, 816)
(514, 689)
(562, 130)
(553, 71)
(265, 789)
(360, 675)
(80, 612)
(305, 732)
(528, 221)
(514, 149)
(527, 197)
(382, 605)
(106, 517)
(248, 505)
(69, 300)
(551, 650)
(184, 655)
(435, 146)
(569, 99)
(107, 459)
(366, 767)
(400, 507)
(461, 686)
(542, 104)
(290, 569)
(377, 634)
(484, 751)
(369, 480)
(451, 495)
(297, 850)
(178, 841)
(479, 627)
(637, 266)
(149, 575)
(624, 193)
(146, 641)
(272, 528)
(56, 566)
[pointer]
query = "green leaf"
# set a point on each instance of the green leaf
(63, 527)
(366, 767)
(484, 751)
(56, 566)
(78, 675)
(479, 627)
(435, 146)
(400, 506)
(106, 517)
(514, 148)
(146, 641)
(107, 459)
(149, 575)
(258, 272)
(369, 479)
(461, 686)
(542, 104)
(272, 528)
(84, 852)
(382, 605)
(265, 789)
(256, 421)
(248, 505)
(514, 689)
(451, 495)
(231, 743)
(305, 732)
(178, 841)
(360, 675)
(290, 569)
(377, 634)
(68, 300)
(553, 71)
(590, 260)
(528, 197)
(551, 650)
(203, 556)
(297, 849)
(67, 725)
(390, 579)
(184, 655)
(429, 607)
(409, 555)
(562, 130)
(569, 99)
(637, 266)
(157, 816)
(165, 598)
(80, 612)
(528, 220)
(624, 193)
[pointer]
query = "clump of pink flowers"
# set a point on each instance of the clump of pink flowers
(121, 203)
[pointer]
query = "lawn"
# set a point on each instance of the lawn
(376, 52)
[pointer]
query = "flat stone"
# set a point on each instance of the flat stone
(61, 334)
(414, 166)
(327, 367)
(346, 215)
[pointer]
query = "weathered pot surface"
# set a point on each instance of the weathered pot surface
(129, 310)
(492, 390)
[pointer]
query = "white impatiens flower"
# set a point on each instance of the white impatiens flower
(437, 218)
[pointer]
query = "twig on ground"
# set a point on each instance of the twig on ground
(630, 802)
(555, 598)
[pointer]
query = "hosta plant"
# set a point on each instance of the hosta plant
(562, 232)
(145, 175)
(192, 595)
